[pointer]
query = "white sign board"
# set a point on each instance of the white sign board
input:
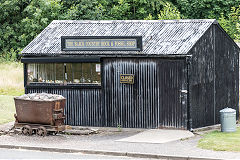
(98, 68)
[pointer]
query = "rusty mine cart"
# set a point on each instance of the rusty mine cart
(40, 117)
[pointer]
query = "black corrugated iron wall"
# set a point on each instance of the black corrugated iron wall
(201, 81)
(153, 101)
(83, 106)
(213, 69)
(227, 73)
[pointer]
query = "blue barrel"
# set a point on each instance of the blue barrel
(228, 120)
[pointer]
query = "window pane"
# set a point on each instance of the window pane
(59, 74)
(49, 73)
(96, 73)
(86, 73)
(41, 73)
(32, 76)
(77, 72)
(69, 71)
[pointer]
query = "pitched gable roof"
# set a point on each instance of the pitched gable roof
(158, 36)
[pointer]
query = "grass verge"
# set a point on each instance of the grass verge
(221, 141)
(11, 84)
(11, 78)
(7, 109)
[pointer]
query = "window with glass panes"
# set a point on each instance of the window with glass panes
(75, 73)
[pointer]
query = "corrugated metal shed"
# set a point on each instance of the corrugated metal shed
(187, 71)
(158, 36)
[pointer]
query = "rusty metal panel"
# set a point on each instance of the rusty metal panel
(40, 112)
(83, 106)
(154, 100)
(162, 37)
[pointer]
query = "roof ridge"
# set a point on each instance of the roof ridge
(138, 21)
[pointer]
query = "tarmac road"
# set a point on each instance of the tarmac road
(30, 154)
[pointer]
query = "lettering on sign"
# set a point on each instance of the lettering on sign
(101, 43)
(127, 78)
(89, 43)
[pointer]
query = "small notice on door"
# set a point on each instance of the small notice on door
(127, 78)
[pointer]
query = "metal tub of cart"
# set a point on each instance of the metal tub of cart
(40, 113)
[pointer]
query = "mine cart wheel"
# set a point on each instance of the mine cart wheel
(41, 131)
(27, 130)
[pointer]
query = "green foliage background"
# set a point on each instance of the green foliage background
(22, 20)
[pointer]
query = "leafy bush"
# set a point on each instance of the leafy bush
(23, 20)
(200, 9)
(169, 12)
(231, 23)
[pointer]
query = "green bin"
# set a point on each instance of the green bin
(228, 120)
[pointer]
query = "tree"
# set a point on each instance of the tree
(169, 12)
(38, 14)
(80, 9)
(10, 18)
(231, 23)
(130, 9)
(22, 20)
(199, 9)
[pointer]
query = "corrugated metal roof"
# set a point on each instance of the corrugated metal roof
(158, 36)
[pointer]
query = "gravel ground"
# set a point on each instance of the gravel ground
(105, 141)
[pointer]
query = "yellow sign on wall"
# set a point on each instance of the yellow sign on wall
(127, 78)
